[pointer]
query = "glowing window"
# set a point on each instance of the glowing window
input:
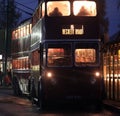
(30, 28)
(84, 8)
(13, 35)
(43, 9)
(21, 31)
(119, 53)
(87, 55)
(35, 62)
(21, 63)
(59, 56)
(16, 33)
(58, 8)
(27, 29)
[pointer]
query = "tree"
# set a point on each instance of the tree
(9, 18)
(104, 22)
(118, 9)
(102, 15)
(118, 4)
(8, 11)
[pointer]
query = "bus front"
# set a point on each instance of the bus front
(71, 52)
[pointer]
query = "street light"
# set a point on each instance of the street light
(0, 56)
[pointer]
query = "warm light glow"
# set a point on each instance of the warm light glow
(22, 31)
(49, 74)
(72, 26)
(115, 80)
(85, 55)
(97, 74)
(115, 75)
(13, 35)
(0, 57)
(58, 8)
(20, 63)
(107, 75)
(43, 9)
(84, 8)
(111, 75)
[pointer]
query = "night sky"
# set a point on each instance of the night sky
(26, 4)
(114, 16)
(111, 9)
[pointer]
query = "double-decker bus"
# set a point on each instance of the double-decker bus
(65, 52)
(20, 57)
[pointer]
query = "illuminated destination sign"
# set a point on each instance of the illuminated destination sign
(73, 30)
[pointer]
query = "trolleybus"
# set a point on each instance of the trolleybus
(66, 52)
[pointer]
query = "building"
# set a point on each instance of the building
(111, 68)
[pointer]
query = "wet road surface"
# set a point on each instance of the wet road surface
(11, 105)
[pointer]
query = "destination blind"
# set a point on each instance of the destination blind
(73, 30)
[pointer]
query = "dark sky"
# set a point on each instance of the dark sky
(25, 5)
(114, 16)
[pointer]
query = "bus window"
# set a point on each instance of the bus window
(55, 12)
(58, 8)
(59, 56)
(35, 60)
(86, 55)
(84, 8)
(43, 9)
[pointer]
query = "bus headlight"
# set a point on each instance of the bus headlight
(50, 78)
(97, 74)
(93, 79)
(49, 74)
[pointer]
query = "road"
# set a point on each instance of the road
(11, 105)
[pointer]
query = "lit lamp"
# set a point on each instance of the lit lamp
(0, 57)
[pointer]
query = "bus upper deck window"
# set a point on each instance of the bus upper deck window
(43, 9)
(84, 8)
(58, 8)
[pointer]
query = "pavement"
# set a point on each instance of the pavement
(6, 87)
(112, 103)
(6, 92)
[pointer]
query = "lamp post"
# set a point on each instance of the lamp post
(2, 63)
(6, 37)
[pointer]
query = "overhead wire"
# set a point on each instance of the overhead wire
(29, 10)
(25, 6)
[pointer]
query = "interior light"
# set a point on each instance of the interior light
(49, 74)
